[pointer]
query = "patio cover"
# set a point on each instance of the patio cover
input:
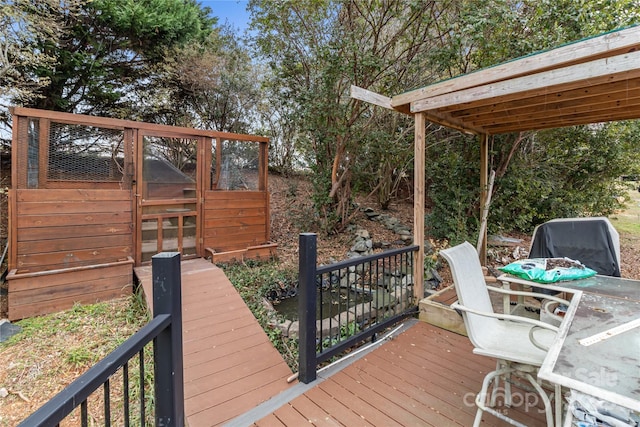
(590, 81)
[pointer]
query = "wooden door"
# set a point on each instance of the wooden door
(168, 196)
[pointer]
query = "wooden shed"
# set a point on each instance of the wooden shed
(93, 197)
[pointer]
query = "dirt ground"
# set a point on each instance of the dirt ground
(291, 206)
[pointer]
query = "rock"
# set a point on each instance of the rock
(406, 238)
(360, 246)
(407, 280)
(380, 245)
(362, 233)
(428, 247)
(380, 299)
(371, 214)
(7, 329)
(519, 253)
(3, 392)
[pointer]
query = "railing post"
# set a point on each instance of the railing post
(167, 347)
(307, 295)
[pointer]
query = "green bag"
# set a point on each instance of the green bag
(548, 270)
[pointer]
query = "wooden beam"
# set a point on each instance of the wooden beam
(596, 72)
(370, 97)
(484, 176)
(624, 114)
(604, 109)
(418, 205)
(453, 123)
(150, 128)
(608, 91)
(582, 51)
(376, 99)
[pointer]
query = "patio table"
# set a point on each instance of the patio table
(608, 367)
(628, 289)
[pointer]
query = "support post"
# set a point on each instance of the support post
(484, 176)
(418, 206)
(307, 296)
(167, 347)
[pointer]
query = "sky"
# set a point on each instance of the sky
(233, 11)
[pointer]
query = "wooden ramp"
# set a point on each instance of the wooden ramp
(230, 366)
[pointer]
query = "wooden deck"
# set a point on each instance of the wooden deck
(426, 376)
(230, 366)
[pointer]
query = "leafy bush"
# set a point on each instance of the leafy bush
(563, 172)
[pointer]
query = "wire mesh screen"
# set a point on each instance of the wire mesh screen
(170, 167)
(33, 136)
(85, 153)
(237, 166)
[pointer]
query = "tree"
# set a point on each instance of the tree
(210, 84)
(24, 26)
(316, 50)
(106, 51)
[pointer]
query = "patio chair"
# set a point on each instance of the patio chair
(519, 344)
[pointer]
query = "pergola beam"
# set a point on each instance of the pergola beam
(418, 204)
(604, 70)
(610, 44)
(371, 97)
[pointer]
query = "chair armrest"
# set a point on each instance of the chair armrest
(502, 316)
(528, 294)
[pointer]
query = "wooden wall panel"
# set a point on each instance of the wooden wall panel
(39, 232)
(47, 292)
(64, 207)
(76, 220)
(235, 220)
(66, 228)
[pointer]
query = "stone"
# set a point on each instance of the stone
(360, 246)
(294, 330)
(382, 299)
(7, 329)
(362, 233)
(428, 247)
(363, 312)
(407, 280)
(371, 214)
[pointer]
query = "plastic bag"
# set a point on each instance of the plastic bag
(591, 411)
(548, 270)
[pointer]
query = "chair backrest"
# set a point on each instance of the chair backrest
(592, 241)
(471, 289)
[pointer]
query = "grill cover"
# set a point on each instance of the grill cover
(592, 241)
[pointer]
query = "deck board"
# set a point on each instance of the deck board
(230, 366)
(426, 376)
